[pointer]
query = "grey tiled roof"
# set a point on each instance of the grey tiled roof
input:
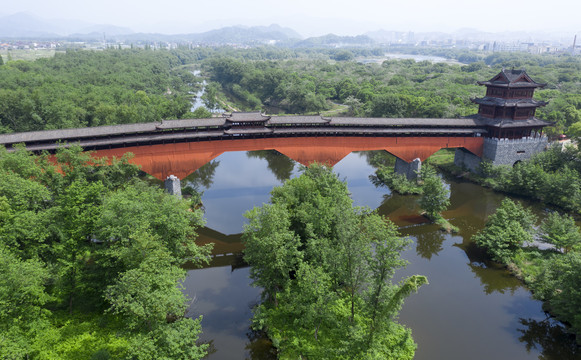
(509, 123)
(494, 101)
(247, 116)
(212, 128)
(512, 78)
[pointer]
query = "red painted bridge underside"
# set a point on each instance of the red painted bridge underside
(181, 159)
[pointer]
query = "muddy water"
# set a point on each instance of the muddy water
(470, 310)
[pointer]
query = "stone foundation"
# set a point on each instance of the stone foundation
(501, 152)
(466, 160)
(173, 186)
(508, 152)
(410, 170)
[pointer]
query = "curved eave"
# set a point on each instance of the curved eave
(521, 103)
(512, 85)
(529, 123)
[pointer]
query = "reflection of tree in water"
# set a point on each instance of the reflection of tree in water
(495, 279)
(203, 177)
(259, 346)
(376, 158)
(211, 347)
(429, 243)
(279, 164)
(395, 203)
(549, 337)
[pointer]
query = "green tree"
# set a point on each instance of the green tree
(166, 220)
(22, 298)
(201, 113)
(384, 299)
(561, 231)
(565, 293)
(272, 248)
(326, 270)
(435, 196)
(76, 212)
(86, 234)
(149, 295)
(176, 340)
(506, 231)
(343, 55)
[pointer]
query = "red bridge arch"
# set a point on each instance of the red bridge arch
(181, 159)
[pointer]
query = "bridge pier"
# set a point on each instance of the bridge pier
(173, 186)
(410, 170)
(466, 160)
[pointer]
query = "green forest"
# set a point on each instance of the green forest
(91, 255)
(87, 88)
(91, 261)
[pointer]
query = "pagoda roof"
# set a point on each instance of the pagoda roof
(254, 116)
(512, 78)
(510, 123)
(519, 103)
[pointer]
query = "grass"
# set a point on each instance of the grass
(446, 226)
(442, 157)
(28, 55)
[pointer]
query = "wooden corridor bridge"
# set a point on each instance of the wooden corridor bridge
(179, 147)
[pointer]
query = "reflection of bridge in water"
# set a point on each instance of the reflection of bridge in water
(227, 250)
(179, 147)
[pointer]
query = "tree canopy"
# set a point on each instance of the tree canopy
(326, 268)
(90, 261)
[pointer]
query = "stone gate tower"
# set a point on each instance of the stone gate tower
(508, 114)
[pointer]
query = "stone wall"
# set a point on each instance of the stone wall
(508, 152)
(501, 152)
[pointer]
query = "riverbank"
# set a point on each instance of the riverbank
(552, 274)
(552, 177)
(554, 278)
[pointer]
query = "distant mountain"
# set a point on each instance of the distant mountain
(290, 33)
(25, 25)
(28, 26)
(226, 35)
(241, 34)
(332, 40)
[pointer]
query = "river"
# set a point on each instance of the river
(197, 101)
(471, 309)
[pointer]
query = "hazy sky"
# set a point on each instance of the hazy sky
(314, 17)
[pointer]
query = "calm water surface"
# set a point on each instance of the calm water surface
(470, 310)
